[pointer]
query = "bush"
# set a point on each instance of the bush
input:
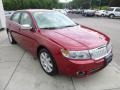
(104, 7)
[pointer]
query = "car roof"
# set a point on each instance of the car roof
(36, 10)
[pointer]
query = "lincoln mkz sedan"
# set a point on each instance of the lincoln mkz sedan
(61, 45)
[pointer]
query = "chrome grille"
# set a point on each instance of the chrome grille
(100, 52)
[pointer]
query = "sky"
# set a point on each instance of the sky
(64, 1)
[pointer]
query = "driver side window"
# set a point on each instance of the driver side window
(26, 19)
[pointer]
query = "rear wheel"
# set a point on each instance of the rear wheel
(11, 39)
(47, 62)
(111, 16)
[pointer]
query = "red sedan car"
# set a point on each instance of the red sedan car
(61, 45)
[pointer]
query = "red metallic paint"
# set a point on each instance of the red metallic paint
(71, 38)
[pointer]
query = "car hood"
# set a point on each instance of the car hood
(76, 37)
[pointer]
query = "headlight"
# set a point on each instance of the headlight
(76, 54)
(109, 47)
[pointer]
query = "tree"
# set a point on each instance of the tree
(114, 3)
(80, 4)
(26, 4)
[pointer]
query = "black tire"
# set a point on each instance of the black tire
(102, 15)
(97, 15)
(111, 16)
(10, 37)
(54, 70)
(85, 15)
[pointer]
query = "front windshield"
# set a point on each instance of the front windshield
(52, 19)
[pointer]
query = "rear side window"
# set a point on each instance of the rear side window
(118, 10)
(16, 17)
(26, 19)
(110, 9)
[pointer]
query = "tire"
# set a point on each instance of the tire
(111, 16)
(85, 15)
(47, 62)
(102, 15)
(82, 14)
(97, 15)
(10, 37)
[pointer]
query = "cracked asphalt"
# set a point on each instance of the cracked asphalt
(20, 71)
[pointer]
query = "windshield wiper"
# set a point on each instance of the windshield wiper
(49, 28)
(69, 26)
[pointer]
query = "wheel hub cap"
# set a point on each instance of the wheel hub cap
(46, 62)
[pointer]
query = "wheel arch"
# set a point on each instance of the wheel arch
(44, 47)
(112, 14)
(41, 47)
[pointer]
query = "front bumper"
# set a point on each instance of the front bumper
(83, 68)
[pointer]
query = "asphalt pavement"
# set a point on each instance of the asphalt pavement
(20, 71)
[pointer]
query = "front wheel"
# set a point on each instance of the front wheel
(102, 15)
(47, 62)
(111, 16)
(85, 15)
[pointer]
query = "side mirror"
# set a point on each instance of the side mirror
(26, 27)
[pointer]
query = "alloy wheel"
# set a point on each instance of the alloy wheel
(46, 62)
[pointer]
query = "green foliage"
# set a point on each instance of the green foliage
(93, 3)
(99, 3)
(114, 3)
(104, 7)
(27, 4)
(49, 4)
(80, 4)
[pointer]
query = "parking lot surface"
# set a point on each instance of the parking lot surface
(20, 71)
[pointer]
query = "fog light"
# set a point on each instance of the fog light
(79, 73)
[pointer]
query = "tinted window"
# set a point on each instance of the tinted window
(16, 17)
(25, 19)
(110, 9)
(118, 10)
(52, 20)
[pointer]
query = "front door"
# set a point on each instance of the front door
(117, 12)
(28, 37)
